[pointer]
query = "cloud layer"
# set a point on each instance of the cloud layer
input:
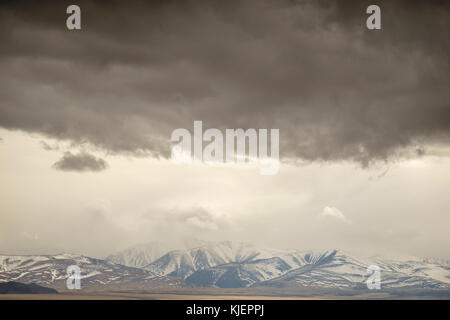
(135, 72)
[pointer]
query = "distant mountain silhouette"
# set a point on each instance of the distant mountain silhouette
(18, 287)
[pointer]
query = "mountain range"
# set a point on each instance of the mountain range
(226, 264)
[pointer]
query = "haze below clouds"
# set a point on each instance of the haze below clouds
(398, 208)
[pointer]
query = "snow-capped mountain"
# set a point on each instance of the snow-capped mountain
(337, 269)
(140, 255)
(51, 270)
(143, 254)
(182, 263)
(227, 265)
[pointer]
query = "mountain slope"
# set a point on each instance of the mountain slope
(339, 270)
(140, 255)
(227, 265)
(182, 263)
(143, 254)
(24, 288)
(51, 270)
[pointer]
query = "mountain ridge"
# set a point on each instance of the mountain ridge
(227, 264)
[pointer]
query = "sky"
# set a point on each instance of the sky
(86, 118)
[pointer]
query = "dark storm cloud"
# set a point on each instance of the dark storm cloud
(137, 71)
(80, 162)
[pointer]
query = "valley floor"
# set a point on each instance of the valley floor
(213, 294)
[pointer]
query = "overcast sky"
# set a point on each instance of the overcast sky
(86, 118)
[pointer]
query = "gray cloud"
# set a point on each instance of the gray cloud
(198, 218)
(48, 147)
(80, 162)
(135, 72)
(188, 220)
